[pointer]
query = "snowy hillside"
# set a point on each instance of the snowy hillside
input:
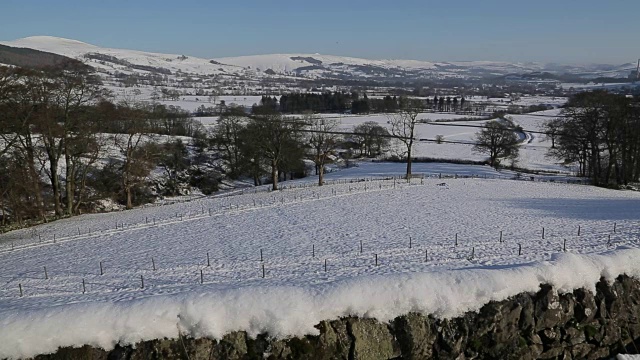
(285, 65)
(56, 45)
(281, 262)
(83, 51)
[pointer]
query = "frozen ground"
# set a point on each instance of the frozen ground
(533, 150)
(428, 131)
(526, 100)
(411, 228)
(532, 153)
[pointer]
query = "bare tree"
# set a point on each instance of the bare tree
(227, 138)
(131, 141)
(215, 95)
(252, 160)
(273, 135)
(76, 91)
(370, 137)
(60, 99)
(599, 131)
(11, 86)
(552, 129)
(323, 141)
(498, 140)
(83, 159)
(21, 106)
(403, 125)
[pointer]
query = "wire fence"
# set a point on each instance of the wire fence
(243, 199)
(412, 253)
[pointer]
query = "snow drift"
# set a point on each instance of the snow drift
(292, 311)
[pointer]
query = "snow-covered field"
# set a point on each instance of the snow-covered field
(600, 86)
(428, 132)
(280, 262)
(526, 100)
(533, 151)
(186, 102)
(410, 228)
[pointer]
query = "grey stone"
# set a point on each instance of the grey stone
(581, 351)
(547, 311)
(415, 335)
(575, 336)
(552, 353)
(373, 340)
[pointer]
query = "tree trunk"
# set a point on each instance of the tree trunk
(274, 175)
(81, 191)
(409, 159)
(321, 174)
(612, 160)
(126, 172)
(3, 210)
(409, 164)
(70, 184)
(129, 198)
(55, 184)
(35, 176)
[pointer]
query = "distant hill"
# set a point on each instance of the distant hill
(33, 59)
(167, 69)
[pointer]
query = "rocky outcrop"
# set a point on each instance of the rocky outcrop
(545, 325)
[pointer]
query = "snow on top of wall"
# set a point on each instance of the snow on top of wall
(293, 311)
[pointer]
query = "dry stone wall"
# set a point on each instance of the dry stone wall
(544, 325)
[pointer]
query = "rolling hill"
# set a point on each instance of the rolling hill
(311, 66)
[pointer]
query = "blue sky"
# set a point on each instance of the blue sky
(564, 31)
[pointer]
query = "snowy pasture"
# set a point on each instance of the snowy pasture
(533, 149)
(282, 261)
(191, 103)
(427, 131)
(186, 102)
(526, 100)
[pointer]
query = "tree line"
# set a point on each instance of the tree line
(600, 132)
(354, 103)
(57, 124)
(267, 146)
(66, 145)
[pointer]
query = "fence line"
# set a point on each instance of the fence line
(264, 190)
(473, 249)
